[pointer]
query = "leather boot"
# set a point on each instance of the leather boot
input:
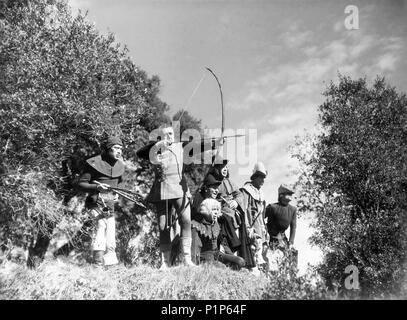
(165, 259)
(98, 257)
(110, 258)
(186, 249)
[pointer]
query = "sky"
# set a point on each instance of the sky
(273, 59)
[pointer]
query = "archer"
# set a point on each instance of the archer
(170, 189)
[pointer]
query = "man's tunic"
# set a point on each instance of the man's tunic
(98, 169)
(279, 218)
(254, 206)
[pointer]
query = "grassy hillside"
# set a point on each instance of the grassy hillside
(63, 280)
(59, 279)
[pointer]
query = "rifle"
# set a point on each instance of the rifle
(127, 194)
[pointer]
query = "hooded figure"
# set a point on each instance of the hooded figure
(232, 204)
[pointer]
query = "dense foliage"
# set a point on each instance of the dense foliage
(354, 179)
(64, 88)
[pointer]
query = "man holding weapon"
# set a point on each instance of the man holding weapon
(169, 190)
(170, 187)
(103, 173)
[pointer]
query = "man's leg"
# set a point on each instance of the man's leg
(110, 257)
(163, 211)
(196, 246)
(99, 241)
(182, 205)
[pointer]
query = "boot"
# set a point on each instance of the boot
(186, 249)
(110, 258)
(165, 259)
(98, 257)
(259, 250)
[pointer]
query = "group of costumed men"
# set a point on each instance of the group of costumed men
(221, 222)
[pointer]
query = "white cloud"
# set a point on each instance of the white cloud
(280, 120)
(295, 39)
(255, 96)
(310, 51)
(394, 44)
(361, 46)
(290, 84)
(349, 70)
(287, 95)
(339, 26)
(334, 52)
(387, 62)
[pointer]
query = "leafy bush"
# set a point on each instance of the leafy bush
(286, 284)
(138, 239)
(28, 206)
(354, 179)
(64, 88)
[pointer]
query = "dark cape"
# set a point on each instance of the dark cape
(246, 251)
(233, 219)
(100, 170)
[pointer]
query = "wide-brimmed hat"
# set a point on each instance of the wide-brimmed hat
(210, 180)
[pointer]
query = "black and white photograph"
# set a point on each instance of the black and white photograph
(189, 150)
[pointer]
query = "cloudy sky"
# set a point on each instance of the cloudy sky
(273, 59)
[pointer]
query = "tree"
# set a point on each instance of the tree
(64, 88)
(354, 179)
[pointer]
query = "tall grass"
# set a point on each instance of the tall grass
(61, 279)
